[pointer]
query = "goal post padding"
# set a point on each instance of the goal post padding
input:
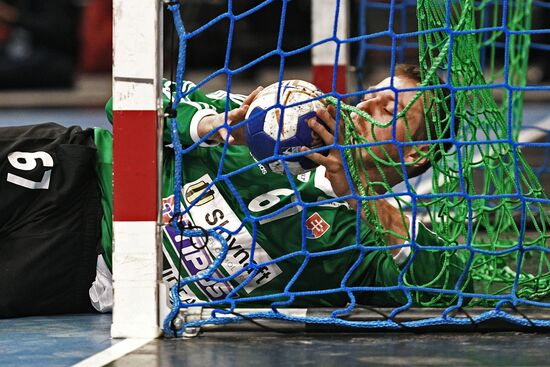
(137, 60)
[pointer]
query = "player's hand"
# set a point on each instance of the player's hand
(388, 216)
(333, 162)
(213, 122)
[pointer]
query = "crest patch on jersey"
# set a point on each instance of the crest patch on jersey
(316, 226)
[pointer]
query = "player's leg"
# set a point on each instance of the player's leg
(49, 219)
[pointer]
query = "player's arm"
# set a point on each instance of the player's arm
(444, 268)
(209, 125)
(395, 225)
(440, 268)
(199, 115)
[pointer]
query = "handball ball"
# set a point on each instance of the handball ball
(265, 121)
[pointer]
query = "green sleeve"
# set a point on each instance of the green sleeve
(195, 102)
(104, 143)
(437, 269)
(109, 110)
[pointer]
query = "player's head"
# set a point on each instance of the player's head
(381, 104)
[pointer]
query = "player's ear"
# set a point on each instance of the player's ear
(417, 155)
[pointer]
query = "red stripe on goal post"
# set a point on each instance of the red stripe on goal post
(323, 77)
(135, 166)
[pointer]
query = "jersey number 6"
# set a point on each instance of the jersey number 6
(26, 161)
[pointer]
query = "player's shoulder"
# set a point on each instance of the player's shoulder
(222, 95)
(169, 87)
(427, 237)
(41, 132)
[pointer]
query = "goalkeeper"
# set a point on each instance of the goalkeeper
(265, 257)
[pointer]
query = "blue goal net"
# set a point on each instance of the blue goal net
(250, 246)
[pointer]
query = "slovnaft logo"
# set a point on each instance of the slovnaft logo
(216, 212)
(195, 258)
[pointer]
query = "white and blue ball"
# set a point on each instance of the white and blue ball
(265, 121)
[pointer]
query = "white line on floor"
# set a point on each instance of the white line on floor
(113, 353)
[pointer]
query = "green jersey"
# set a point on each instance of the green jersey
(280, 238)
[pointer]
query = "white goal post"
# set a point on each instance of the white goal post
(137, 122)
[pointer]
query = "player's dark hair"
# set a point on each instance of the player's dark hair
(412, 72)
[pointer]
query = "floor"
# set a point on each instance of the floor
(324, 350)
(53, 341)
(66, 340)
